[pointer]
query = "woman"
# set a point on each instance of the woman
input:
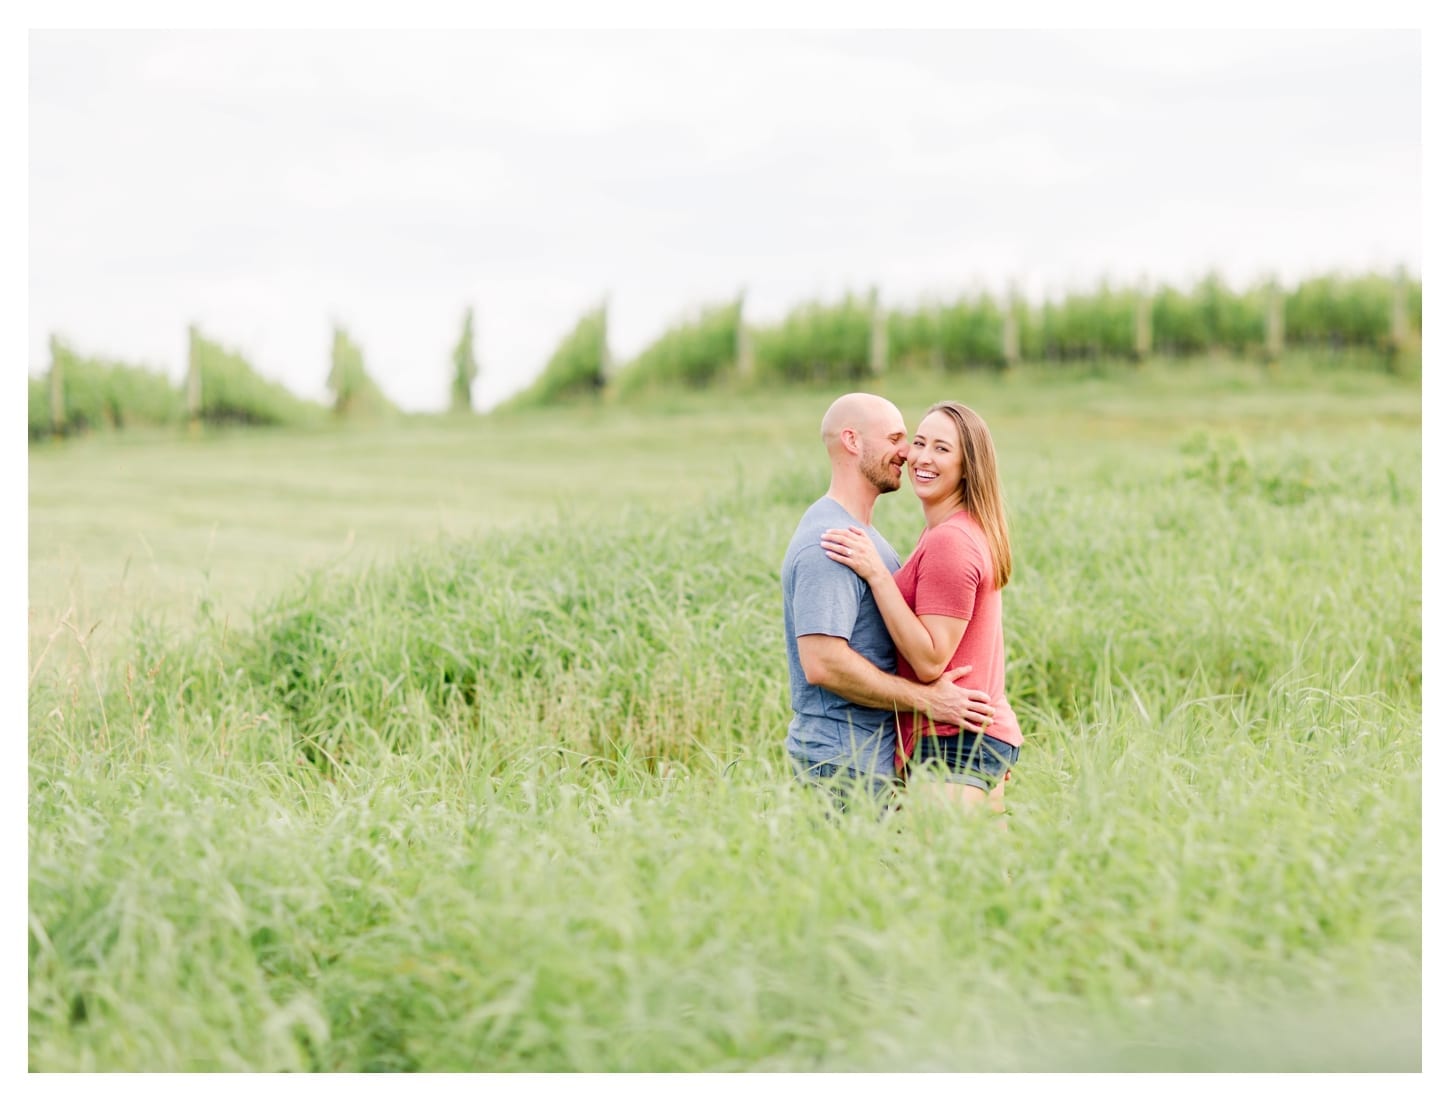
(944, 606)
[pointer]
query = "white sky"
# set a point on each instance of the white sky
(265, 184)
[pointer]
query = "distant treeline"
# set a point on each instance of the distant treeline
(857, 338)
(851, 340)
(80, 393)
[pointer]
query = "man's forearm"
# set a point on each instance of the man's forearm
(830, 663)
(852, 677)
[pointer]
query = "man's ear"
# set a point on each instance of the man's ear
(850, 441)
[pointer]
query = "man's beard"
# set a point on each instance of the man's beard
(880, 475)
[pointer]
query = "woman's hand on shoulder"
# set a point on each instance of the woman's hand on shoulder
(853, 547)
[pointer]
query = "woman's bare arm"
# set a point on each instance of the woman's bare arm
(927, 642)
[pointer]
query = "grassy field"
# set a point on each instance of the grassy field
(456, 745)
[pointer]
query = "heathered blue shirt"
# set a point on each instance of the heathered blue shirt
(826, 598)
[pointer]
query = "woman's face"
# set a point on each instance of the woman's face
(935, 459)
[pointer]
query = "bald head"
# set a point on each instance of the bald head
(866, 440)
(862, 413)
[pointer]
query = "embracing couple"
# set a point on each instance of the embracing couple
(899, 670)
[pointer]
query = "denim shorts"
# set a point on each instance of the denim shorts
(846, 785)
(978, 760)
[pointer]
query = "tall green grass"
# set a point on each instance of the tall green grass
(518, 802)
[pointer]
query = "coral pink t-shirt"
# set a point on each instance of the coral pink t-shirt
(950, 574)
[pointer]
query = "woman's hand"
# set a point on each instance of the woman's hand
(853, 547)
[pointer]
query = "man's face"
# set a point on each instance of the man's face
(884, 445)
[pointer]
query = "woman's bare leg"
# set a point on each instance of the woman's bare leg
(997, 798)
(943, 794)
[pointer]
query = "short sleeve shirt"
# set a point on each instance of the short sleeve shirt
(950, 574)
(822, 597)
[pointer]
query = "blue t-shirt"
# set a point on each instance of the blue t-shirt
(826, 598)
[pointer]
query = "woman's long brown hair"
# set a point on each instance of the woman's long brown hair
(981, 491)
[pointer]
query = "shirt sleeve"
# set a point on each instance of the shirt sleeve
(827, 595)
(952, 566)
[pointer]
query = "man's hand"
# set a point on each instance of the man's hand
(829, 663)
(970, 708)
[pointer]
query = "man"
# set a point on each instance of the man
(843, 687)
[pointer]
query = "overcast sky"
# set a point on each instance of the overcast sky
(267, 184)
